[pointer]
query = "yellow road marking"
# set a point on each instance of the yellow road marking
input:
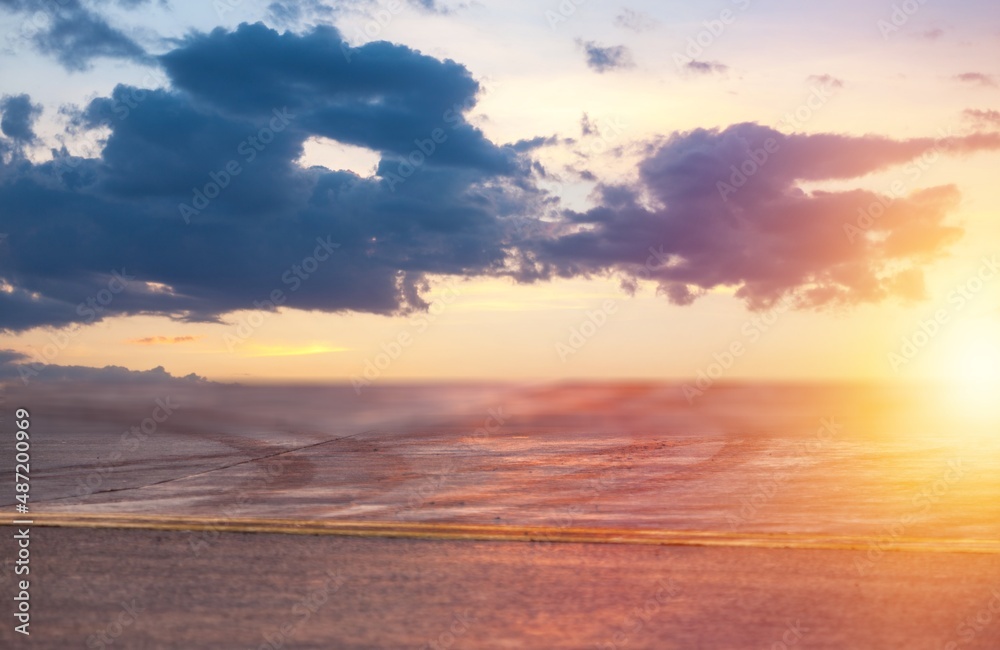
(503, 533)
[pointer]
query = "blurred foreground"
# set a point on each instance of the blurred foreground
(864, 460)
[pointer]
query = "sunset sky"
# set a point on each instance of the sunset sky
(516, 190)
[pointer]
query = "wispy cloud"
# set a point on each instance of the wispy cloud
(983, 118)
(706, 67)
(164, 340)
(73, 33)
(977, 78)
(635, 21)
(826, 80)
(603, 59)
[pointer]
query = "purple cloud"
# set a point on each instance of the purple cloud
(977, 78)
(706, 67)
(724, 208)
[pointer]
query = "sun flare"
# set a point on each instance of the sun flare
(971, 367)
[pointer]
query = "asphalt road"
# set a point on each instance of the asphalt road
(106, 588)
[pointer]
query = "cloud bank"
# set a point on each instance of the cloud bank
(17, 366)
(197, 207)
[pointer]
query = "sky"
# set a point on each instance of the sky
(409, 190)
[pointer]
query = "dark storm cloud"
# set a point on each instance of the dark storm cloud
(603, 59)
(379, 95)
(18, 117)
(439, 205)
(71, 32)
(693, 224)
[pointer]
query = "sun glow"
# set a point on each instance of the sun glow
(971, 366)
